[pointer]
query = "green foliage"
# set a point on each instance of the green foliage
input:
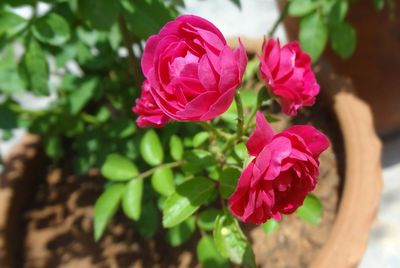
(80, 96)
(208, 255)
(132, 199)
(99, 14)
(10, 80)
(11, 24)
(163, 181)
(34, 68)
(301, 7)
(270, 226)
(145, 17)
(105, 208)
(321, 20)
(343, 39)
(8, 118)
(186, 200)
(311, 210)
(237, 3)
(151, 148)
(51, 29)
(228, 179)
(313, 34)
(179, 234)
(206, 219)
(148, 222)
(200, 138)
(379, 4)
(232, 243)
(176, 147)
(118, 168)
(197, 161)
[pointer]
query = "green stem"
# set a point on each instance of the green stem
(215, 131)
(240, 119)
(260, 97)
(134, 65)
(279, 20)
(151, 171)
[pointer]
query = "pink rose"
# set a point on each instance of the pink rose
(192, 71)
(283, 172)
(287, 72)
(149, 113)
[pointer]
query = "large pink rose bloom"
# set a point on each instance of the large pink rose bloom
(192, 71)
(287, 72)
(283, 172)
(149, 113)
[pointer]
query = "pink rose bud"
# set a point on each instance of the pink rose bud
(149, 113)
(192, 71)
(283, 172)
(287, 72)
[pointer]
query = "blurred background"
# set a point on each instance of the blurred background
(374, 69)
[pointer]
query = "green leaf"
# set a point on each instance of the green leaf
(343, 39)
(241, 150)
(147, 225)
(53, 147)
(151, 148)
(100, 14)
(34, 68)
(187, 198)
(379, 4)
(146, 17)
(301, 8)
(11, 24)
(105, 208)
(197, 160)
(206, 219)
(132, 199)
(10, 80)
(311, 210)
(82, 95)
(176, 147)
(237, 3)
(200, 138)
(51, 29)
(338, 12)
(179, 234)
(232, 243)
(313, 35)
(163, 181)
(208, 255)
(228, 179)
(118, 168)
(270, 226)
(8, 118)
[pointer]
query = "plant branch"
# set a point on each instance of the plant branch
(134, 66)
(151, 171)
(260, 97)
(215, 131)
(240, 119)
(279, 20)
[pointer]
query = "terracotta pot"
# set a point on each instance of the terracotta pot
(357, 209)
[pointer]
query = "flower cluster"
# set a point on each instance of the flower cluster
(192, 75)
